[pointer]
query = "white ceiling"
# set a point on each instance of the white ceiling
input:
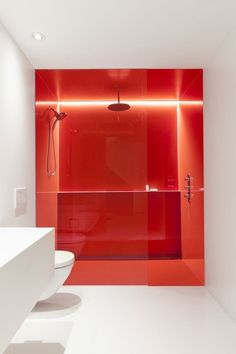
(117, 34)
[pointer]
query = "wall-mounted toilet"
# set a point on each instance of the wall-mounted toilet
(64, 262)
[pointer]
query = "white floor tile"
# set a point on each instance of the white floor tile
(127, 320)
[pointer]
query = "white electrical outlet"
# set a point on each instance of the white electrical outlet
(20, 199)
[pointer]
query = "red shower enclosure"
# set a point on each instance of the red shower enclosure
(127, 195)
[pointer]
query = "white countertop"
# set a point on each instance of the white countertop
(14, 240)
(27, 257)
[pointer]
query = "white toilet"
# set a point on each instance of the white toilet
(64, 262)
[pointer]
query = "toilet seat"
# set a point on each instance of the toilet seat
(63, 259)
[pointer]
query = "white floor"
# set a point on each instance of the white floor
(127, 320)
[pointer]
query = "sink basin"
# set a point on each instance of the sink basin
(26, 268)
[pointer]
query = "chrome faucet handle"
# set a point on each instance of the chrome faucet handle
(188, 177)
(188, 187)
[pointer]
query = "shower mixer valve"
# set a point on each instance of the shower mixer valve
(188, 195)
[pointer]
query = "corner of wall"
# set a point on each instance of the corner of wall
(220, 174)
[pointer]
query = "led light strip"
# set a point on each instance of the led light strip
(146, 103)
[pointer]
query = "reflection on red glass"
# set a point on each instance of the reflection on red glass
(103, 225)
(164, 228)
(119, 225)
(134, 84)
(190, 120)
(162, 151)
(102, 150)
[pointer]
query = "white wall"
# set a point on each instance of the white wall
(17, 134)
(220, 174)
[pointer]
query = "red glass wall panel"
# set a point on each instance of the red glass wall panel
(134, 84)
(46, 187)
(190, 120)
(101, 150)
(103, 225)
(164, 226)
(120, 225)
(162, 148)
(45, 183)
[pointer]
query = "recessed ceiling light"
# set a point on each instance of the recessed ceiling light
(38, 36)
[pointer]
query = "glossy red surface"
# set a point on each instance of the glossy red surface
(138, 84)
(102, 150)
(190, 120)
(44, 183)
(116, 225)
(97, 200)
(162, 148)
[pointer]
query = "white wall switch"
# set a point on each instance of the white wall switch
(20, 200)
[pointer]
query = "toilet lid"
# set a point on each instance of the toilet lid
(63, 258)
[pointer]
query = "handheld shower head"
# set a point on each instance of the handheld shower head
(52, 166)
(59, 116)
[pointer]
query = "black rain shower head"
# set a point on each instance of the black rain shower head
(119, 106)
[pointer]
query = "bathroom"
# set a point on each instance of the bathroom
(116, 181)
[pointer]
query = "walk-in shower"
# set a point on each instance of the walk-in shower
(122, 181)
